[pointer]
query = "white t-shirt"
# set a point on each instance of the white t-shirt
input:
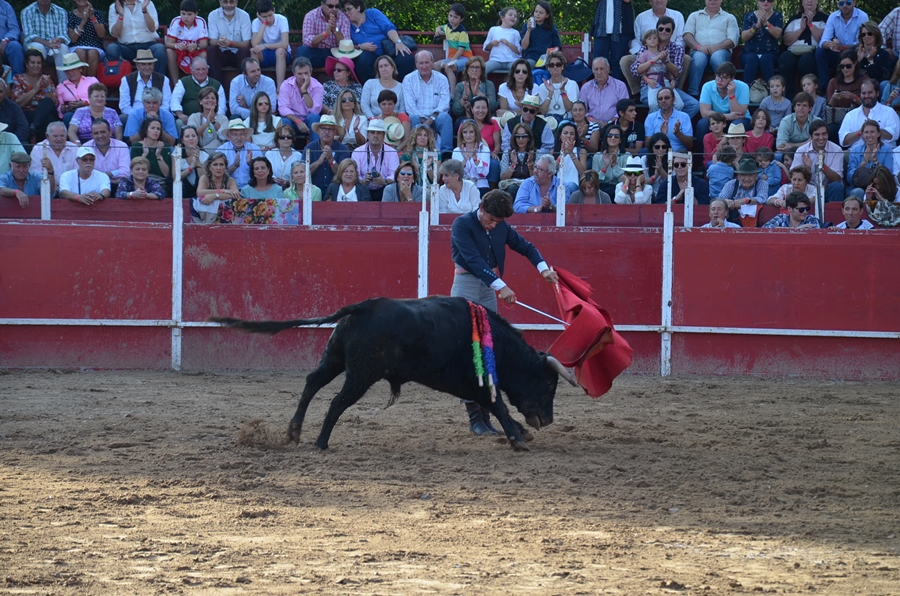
(556, 102)
(179, 32)
(70, 181)
(510, 98)
(728, 224)
(273, 32)
(863, 225)
(502, 53)
(568, 172)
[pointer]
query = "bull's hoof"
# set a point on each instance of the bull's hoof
(293, 432)
(322, 445)
(518, 445)
(526, 434)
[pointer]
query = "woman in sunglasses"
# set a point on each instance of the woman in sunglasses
(844, 89)
(405, 189)
(657, 160)
(872, 59)
(680, 184)
(350, 120)
(610, 162)
(518, 84)
(342, 77)
(571, 158)
(760, 33)
(517, 164)
(261, 122)
(421, 141)
(634, 188)
(473, 153)
(283, 156)
(557, 93)
(799, 215)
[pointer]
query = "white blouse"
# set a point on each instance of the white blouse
(469, 199)
(346, 197)
(264, 139)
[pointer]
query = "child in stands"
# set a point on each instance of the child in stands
(811, 85)
(269, 42)
(186, 39)
(769, 170)
(503, 42)
(652, 68)
(721, 171)
(715, 139)
(776, 104)
(539, 34)
(458, 47)
(759, 135)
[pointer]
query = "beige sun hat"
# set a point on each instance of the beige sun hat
(236, 124)
(504, 119)
(325, 120)
(377, 125)
(345, 49)
(736, 130)
(394, 133)
(551, 122)
(145, 56)
(532, 101)
(71, 61)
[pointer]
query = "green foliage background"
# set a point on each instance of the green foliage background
(575, 15)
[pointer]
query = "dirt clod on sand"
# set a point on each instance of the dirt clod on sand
(144, 483)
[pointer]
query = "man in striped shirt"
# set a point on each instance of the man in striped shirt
(45, 27)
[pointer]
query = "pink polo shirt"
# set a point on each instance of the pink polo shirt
(68, 91)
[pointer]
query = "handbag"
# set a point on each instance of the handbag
(799, 48)
(835, 115)
(578, 70)
(862, 177)
(112, 72)
(390, 48)
(758, 91)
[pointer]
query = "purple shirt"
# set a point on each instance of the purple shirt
(83, 120)
(601, 103)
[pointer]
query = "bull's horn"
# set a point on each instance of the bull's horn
(563, 372)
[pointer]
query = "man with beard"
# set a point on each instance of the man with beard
(229, 37)
(886, 117)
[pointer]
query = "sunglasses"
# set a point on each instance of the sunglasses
(341, 70)
(660, 147)
(555, 65)
(406, 173)
(529, 110)
(866, 34)
(846, 66)
(332, 6)
(680, 165)
(525, 72)
(632, 174)
(664, 29)
(286, 137)
(802, 209)
(521, 136)
(348, 99)
(613, 135)
(845, 3)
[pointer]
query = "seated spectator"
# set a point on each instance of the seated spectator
(347, 185)
(503, 42)
(385, 80)
(87, 28)
(387, 102)
(229, 39)
(152, 148)
(538, 193)
(844, 91)
(19, 182)
(890, 89)
(215, 185)
(80, 125)
(760, 34)
(648, 21)
(841, 32)
(810, 84)
(794, 129)
(721, 171)
(194, 158)
(111, 156)
(775, 104)
(269, 44)
(589, 192)
(262, 123)
(611, 31)
(801, 177)
(405, 190)
(45, 28)
(84, 184)
(262, 184)
(874, 60)
(134, 26)
(801, 38)
(669, 121)
(589, 131)
(55, 153)
(853, 210)
(518, 85)
(371, 30)
(571, 158)
(473, 153)
(300, 98)
(12, 115)
(297, 188)
(517, 163)
(671, 55)
(866, 154)
(798, 215)
(747, 188)
(350, 121)
(610, 162)
(35, 93)
(72, 91)
(245, 86)
(209, 121)
(656, 162)
(680, 184)
(238, 152)
(715, 138)
(139, 184)
(342, 78)
(820, 149)
(376, 161)
(557, 93)
(855, 120)
(710, 33)
(474, 84)
(718, 215)
(759, 136)
(151, 107)
(459, 51)
(634, 189)
(284, 156)
(324, 27)
(11, 49)
(602, 93)
(427, 98)
(325, 153)
(187, 37)
(457, 194)
(882, 186)
(655, 70)
(539, 34)
(540, 129)
(132, 86)
(186, 94)
(770, 170)
(726, 96)
(489, 131)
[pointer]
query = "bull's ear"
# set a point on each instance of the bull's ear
(556, 365)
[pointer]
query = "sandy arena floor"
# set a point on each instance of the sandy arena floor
(133, 483)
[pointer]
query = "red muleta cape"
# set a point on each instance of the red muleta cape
(590, 343)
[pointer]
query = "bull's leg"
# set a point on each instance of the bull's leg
(510, 426)
(327, 371)
(526, 434)
(350, 393)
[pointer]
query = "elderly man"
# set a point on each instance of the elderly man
(45, 28)
(603, 92)
(58, 152)
(12, 115)
(300, 98)
(832, 157)
(543, 134)
(794, 128)
(134, 24)
(111, 155)
(325, 153)
(238, 152)
(245, 86)
(376, 162)
(84, 184)
(709, 33)
(538, 193)
(672, 56)
(11, 50)
(841, 32)
(186, 95)
(676, 125)
(323, 28)
(745, 188)
(726, 96)
(612, 29)
(718, 215)
(19, 182)
(132, 86)
(229, 37)
(886, 117)
(151, 100)
(426, 95)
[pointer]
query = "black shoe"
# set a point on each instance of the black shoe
(476, 421)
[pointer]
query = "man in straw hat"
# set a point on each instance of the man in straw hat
(426, 95)
(543, 133)
(239, 152)
(746, 188)
(134, 23)
(132, 86)
(478, 242)
(325, 153)
(45, 28)
(324, 28)
(84, 184)
(376, 162)
(20, 183)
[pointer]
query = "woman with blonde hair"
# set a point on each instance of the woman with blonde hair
(346, 186)
(350, 120)
(298, 184)
(473, 153)
(421, 141)
(214, 185)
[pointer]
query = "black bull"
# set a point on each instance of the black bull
(427, 341)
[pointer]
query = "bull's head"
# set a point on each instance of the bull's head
(534, 392)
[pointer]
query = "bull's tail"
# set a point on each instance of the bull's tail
(273, 327)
